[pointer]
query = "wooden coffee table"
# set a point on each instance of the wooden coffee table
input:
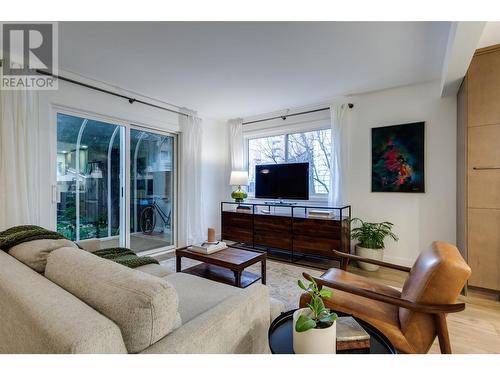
(225, 266)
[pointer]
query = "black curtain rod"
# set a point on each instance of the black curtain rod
(130, 100)
(283, 117)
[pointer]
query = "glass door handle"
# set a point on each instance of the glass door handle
(56, 196)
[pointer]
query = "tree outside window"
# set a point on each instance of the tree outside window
(313, 147)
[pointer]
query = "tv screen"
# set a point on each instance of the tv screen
(282, 181)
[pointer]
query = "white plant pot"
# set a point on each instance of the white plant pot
(316, 340)
(364, 252)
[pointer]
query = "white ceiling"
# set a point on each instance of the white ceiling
(491, 35)
(232, 69)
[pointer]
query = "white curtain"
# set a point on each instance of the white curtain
(192, 227)
(339, 190)
(19, 177)
(236, 144)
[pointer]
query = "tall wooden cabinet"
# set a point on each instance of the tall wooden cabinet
(478, 174)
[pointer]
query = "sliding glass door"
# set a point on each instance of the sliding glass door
(90, 166)
(115, 182)
(151, 190)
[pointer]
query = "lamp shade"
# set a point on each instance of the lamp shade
(238, 178)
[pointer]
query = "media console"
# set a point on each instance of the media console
(295, 230)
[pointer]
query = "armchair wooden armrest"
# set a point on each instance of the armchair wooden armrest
(346, 257)
(418, 307)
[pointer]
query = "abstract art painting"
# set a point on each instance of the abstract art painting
(398, 158)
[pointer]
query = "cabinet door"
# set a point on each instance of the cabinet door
(484, 89)
(484, 247)
(237, 227)
(484, 152)
(273, 231)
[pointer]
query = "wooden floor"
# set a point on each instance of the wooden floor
(474, 330)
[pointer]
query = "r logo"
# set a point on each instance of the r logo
(26, 48)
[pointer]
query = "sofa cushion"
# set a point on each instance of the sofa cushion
(154, 269)
(143, 306)
(198, 295)
(238, 323)
(91, 245)
(40, 317)
(34, 253)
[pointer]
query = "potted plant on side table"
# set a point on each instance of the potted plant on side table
(371, 238)
(314, 329)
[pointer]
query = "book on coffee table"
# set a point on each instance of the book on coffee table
(350, 335)
(208, 247)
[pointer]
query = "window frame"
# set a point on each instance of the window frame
(55, 109)
(303, 127)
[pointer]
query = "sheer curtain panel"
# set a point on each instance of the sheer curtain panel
(19, 169)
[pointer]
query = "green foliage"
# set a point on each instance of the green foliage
(320, 316)
(372, 235)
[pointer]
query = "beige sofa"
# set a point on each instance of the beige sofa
(81, 303)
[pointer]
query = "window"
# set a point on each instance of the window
(312, 146)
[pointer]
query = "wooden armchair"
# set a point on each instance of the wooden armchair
(411, 319)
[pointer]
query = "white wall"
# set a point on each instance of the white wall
(419, 218)
(214, 176)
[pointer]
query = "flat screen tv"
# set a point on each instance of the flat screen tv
(282, 181)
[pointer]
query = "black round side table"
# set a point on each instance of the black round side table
(281, 337)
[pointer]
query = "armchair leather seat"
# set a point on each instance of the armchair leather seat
(411, 319)
(383, 316)
(360, 282)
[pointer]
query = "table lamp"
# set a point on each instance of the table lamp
(239, 178)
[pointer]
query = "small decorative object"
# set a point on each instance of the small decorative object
(371, 241)
(314, 326)
(320, 214)
(211, 235)
(244, 209)
(398, 158)
(350, 334)
(239, 178)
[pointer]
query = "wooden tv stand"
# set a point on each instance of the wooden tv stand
(290, 229)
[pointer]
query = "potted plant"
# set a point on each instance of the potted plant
(371, 238)
(314, 326)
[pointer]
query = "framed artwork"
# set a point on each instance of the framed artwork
(398, 158)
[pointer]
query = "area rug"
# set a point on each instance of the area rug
(281, 278)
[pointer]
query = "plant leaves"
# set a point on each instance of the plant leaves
(317, 306)
(304, 323)
(301, 285)
(372, 235)
(325, 293)
(329, 318)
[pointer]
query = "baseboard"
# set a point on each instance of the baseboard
(156, 253)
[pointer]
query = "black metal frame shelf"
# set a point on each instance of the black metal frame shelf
(298, 211)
